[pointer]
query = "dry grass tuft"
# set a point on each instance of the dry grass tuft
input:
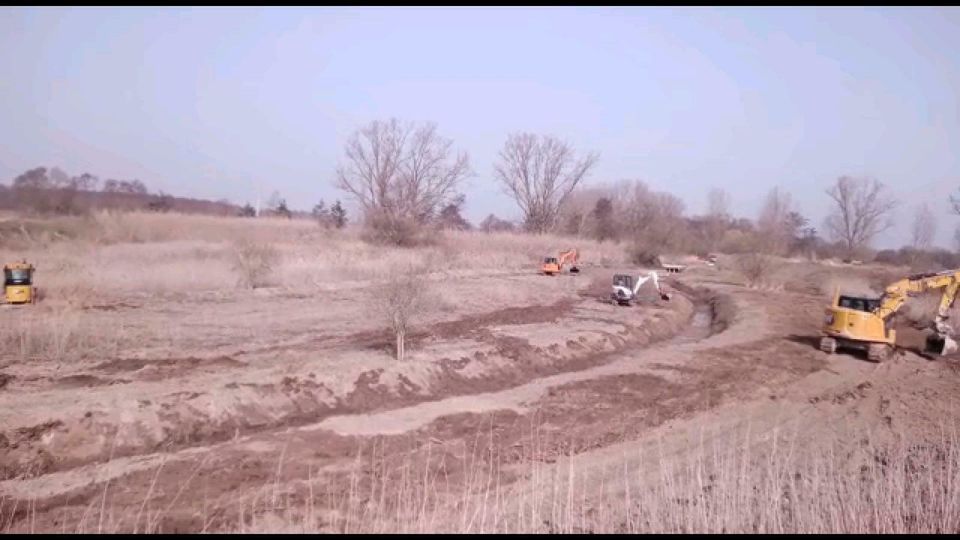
(254, 263)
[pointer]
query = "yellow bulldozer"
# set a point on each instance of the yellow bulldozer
(856, 322)
(18, 283)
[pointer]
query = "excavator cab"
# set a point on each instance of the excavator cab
(852, 322)
(550, 266)
(18, 283)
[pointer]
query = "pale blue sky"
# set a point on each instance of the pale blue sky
(219, 102)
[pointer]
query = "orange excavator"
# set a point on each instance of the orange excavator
(554, 265)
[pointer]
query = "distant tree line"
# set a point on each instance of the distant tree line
(406, 179)
(52, 191)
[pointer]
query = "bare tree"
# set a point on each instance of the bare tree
(718, 203)
(451, 216)
(540, 172)
(863, 210)
(574, 216)
(718, 217)
(400, 301)
(923, 229)
(652, 220)
(604, 224)
(756, 268)
(401, 172)
(494, 224)
(774, 222)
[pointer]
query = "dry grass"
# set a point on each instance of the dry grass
(59, 335)
(115, 259)
(117, 254)
(905, 487)
(254, 263)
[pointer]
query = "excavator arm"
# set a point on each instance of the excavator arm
(570, 256)
(656, 282)
(897, 293)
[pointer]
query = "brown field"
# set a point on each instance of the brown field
(150, 391)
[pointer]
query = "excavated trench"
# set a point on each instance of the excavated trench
(27, 452)
(710, 313)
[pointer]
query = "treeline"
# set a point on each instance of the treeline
(53, 191)
(406, 180)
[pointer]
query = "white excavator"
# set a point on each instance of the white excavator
(625, 288)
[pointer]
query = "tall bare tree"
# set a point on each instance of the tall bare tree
(862, 210)
(652, 220)
(718, 217)
(574, 215)
(399, 171)
(540, 172)
(924, 227)
(775, 223)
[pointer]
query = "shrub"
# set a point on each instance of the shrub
(388, 229)
(253, 262)
(756, 268)
(402, 299)
(640, 253)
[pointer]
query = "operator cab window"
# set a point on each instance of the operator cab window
(550, 260)
(623, 281)
(859, 304)
(16, 277)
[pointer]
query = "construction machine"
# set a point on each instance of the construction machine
(554, 265)
(18, 283)
(856, 322)
(625, 288)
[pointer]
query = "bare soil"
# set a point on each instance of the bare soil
(183, 443)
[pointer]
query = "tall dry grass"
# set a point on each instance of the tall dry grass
(60, 335)
(903, 487)
(149, 253)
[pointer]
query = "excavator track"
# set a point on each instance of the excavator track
(878, 352)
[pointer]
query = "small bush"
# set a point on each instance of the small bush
(400, 231)
(403, 299)
(254, 263)
(756, 268)
(643, 255)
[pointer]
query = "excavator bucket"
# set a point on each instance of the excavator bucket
(574, 270)
(940, 345)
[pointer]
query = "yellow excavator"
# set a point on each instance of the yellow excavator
(553, 265)
(18, 283)
(855, 322)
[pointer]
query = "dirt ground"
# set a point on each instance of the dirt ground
(294, 402)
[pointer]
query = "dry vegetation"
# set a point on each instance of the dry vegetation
(107, 259)
(773, 489)
(158, 253)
